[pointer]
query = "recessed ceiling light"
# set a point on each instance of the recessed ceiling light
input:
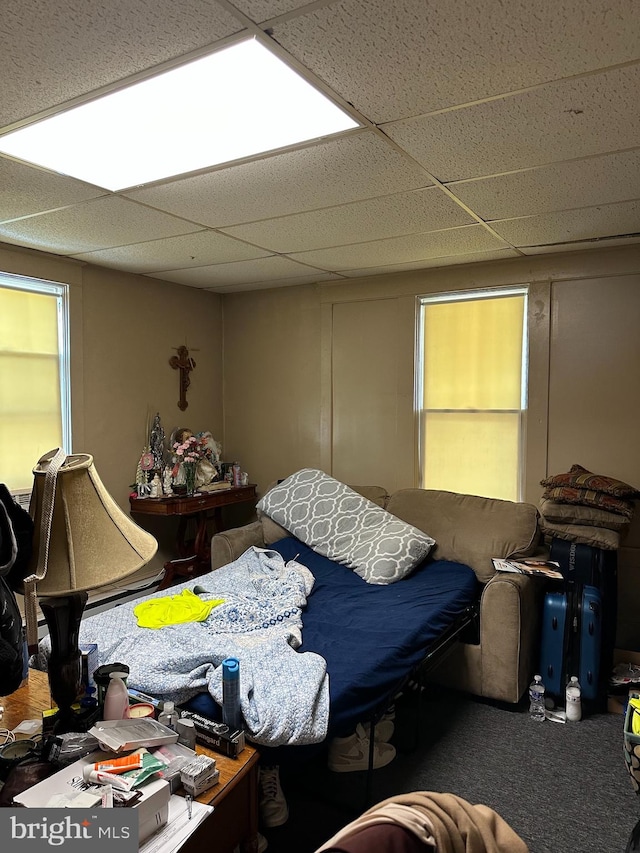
(234, 103)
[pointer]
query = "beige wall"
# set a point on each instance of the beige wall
(124, 330)
(323, 376)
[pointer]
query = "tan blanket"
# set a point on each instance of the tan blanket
(444, 822)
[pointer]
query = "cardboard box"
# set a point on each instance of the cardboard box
(126, 735)
(153, 808)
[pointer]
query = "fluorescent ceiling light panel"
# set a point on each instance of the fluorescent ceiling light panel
(240, 101)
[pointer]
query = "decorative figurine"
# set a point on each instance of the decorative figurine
(156, 486)
(167, 482)
(156, 443)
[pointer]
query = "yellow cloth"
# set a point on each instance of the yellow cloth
(174, 609)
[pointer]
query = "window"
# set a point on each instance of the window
(472, 392)
(35, 410)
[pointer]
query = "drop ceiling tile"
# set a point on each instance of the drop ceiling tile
(53, 52)
(26, 190)
(471, 257)
(581, 183)
(99, 224)
(170, 253)
(272, 269)
(267, 285)
(337, 171)
(392, 60)
(584, 224)
(561, 121)
(377, 218)
(580, 245)
(400, 250)
(264, 10)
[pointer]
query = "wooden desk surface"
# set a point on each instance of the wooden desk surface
(198, 503)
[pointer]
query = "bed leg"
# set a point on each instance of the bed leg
(368, 793)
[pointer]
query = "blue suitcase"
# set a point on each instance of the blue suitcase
(572, 641)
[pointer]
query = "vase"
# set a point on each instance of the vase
(190, 477)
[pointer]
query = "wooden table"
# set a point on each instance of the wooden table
(194, 557)
(234, 820)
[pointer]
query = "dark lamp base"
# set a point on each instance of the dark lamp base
(63, 615)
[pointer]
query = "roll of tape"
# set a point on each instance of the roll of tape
(12, 753)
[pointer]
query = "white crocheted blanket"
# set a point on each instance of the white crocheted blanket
(284, 693)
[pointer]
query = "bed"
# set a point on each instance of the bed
(320, 650)
(372, 637)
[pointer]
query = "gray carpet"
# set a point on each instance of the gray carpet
(561, 787)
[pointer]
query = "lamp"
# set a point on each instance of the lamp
(82, 541)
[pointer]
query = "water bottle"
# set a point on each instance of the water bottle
(573, 696)
(536, 699)
(168, 716)
(231, 713)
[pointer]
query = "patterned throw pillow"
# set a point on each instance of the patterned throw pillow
(340, 524)
(579, 478)
(589, 497)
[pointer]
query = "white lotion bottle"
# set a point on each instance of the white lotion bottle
(116, 700)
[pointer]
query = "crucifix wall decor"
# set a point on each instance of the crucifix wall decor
(185, 364)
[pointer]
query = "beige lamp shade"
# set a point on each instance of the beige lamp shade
(92, 541)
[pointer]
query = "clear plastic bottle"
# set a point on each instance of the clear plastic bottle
(536, 699)
(116, 700)
(168, 716)
(573, 697)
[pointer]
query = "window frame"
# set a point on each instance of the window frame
(59, 290)
(473, 294)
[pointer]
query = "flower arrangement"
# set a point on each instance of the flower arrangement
(190, 452)
(187, 455)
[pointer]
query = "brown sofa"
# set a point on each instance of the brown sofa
(467, 529)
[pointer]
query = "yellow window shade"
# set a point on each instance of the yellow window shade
(473, 354)
(30, 387)
(474, 453)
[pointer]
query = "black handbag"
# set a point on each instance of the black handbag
(11, 634)
(18, 529)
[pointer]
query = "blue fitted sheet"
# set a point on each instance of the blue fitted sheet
(371, 636)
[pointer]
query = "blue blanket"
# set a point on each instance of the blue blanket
(283, 691)
(370, 636)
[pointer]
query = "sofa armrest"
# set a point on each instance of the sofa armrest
(510, 613)
(230, 544)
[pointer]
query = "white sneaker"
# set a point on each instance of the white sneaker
(272, 804)
(348, 754)
(383, 731)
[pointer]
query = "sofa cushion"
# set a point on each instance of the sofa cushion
(597, 537)
(589, 497)
(468, 528)
(579, 478)
(341, 524)
(581, 514)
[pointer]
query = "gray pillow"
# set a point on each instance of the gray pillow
(340, 524)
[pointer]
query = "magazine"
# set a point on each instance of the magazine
(530, 566)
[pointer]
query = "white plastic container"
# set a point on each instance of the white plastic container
(573, 700)
(116, 700)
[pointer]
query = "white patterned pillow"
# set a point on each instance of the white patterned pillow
(342, 525)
